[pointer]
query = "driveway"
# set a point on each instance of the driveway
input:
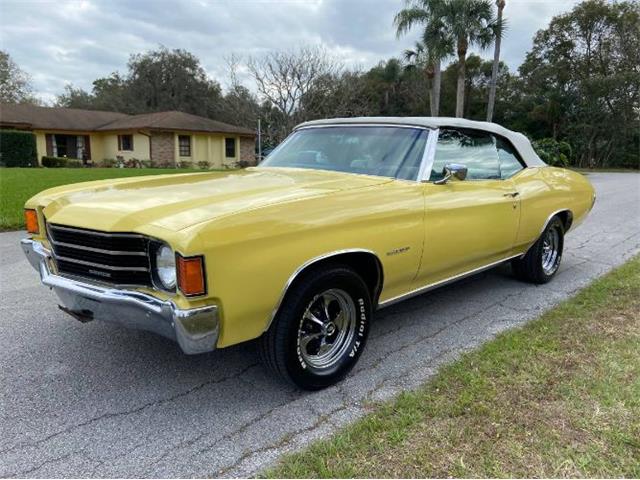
(95, 400)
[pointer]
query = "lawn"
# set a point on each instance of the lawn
(558, 398)
(17, 185)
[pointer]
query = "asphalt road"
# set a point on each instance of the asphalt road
(96, 400)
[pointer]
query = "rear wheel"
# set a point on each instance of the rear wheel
(320, 330)
(542, 261)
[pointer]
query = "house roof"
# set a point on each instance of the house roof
(55, 118)
(172, 121)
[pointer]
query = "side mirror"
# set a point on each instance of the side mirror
(452, 170)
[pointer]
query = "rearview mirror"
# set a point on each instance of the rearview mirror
(452, 170)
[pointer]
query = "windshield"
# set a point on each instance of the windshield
(394, 152)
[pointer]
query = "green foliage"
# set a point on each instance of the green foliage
(580, 82)
(204, 165)
(185, 164)
(107, 163)
(157, 80)
(553, 152)
(15, 84)
(60, 162)
(17, 149)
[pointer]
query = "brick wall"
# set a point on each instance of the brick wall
(248, 150)
(162, 148)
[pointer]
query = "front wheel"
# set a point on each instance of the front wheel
(542, 261)
(320, 330)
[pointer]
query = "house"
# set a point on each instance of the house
(164, 138)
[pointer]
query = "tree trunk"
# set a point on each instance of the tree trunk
(430, 74)
(496, 64)
(462, 61)
(437, 81)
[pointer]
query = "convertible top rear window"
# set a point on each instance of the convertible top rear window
(386, 151)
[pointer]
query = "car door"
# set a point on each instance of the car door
(468, 223)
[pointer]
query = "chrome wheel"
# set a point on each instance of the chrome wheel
(327, 328)
(551, 251)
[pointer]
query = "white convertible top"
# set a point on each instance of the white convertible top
(519, 141)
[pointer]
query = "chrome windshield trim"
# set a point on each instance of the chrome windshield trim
(101, 265)
(97, 250)
(429, 156)
(95, 232)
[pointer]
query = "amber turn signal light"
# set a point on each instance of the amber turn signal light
(191, 275)
(31, 221)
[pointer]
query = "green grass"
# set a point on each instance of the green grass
(559, 397)
(17, 185)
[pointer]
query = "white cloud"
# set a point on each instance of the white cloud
(60, 42)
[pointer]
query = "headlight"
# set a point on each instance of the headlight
(166, 267)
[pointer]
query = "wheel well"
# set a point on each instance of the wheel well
(365, 264)
(567, 219)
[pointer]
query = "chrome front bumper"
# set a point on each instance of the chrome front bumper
(195, 330)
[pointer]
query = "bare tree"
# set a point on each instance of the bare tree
(284, 78)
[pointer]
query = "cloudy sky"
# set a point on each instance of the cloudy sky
(60, 42)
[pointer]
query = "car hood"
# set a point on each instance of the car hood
(179, 201)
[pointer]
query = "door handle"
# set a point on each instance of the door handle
(512, 194)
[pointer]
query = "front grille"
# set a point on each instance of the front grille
(116, 258)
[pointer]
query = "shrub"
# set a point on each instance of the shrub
(61, 162)
(204, 165)
(553, 152)
(184, 164)
(242, 164)
(107, 163)
(146, 163)
(133, 163)
(18, 149)
(73, 163)
(164, 164)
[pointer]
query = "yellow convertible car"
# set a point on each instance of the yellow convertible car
(345, 217)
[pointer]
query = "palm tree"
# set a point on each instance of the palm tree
(470, 22)
(435, 46)
(420, 58)
(496, 61)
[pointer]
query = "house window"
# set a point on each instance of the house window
(125, 143)
(230, 147)
(184, 145)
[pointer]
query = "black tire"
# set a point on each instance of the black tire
(281, 346)
(530, 267)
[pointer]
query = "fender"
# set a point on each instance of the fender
(320, 258)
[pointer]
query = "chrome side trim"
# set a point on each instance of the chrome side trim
(196, 330)
(97, 250)
(310, 262)
(95, 232)
(441, 283)
(101, 265)
(429, 156)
